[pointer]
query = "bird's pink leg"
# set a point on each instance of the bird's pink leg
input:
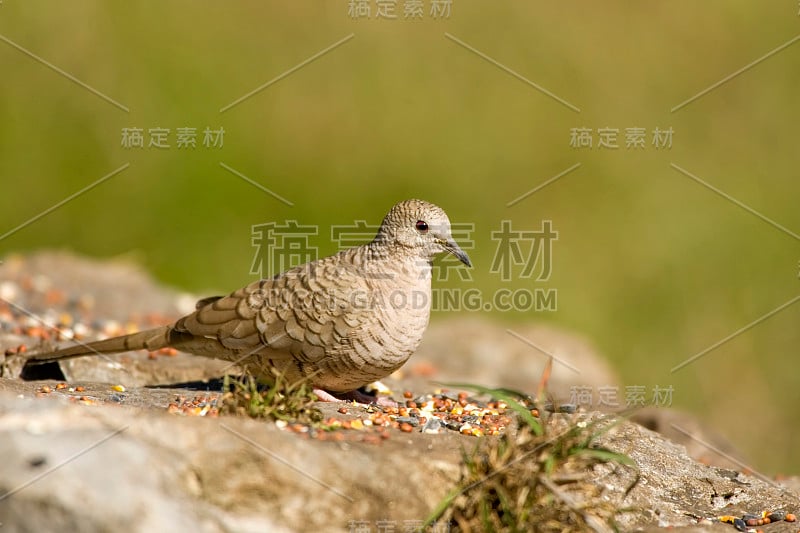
(353, 396)
(325, 396)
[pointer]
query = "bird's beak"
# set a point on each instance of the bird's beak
(451, 246)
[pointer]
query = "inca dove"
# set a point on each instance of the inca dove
(344, 320)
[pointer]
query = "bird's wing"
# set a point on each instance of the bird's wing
(205, 301)
(302, 313)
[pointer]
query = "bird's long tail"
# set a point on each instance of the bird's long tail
(151, 339)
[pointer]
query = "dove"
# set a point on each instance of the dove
(341, 321)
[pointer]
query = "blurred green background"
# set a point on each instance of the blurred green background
(650, 265)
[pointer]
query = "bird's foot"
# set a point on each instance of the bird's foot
(354, 396)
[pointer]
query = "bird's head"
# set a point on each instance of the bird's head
(422, 228)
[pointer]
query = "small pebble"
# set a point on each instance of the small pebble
(452, 424)
(434, 425)
(408, 420)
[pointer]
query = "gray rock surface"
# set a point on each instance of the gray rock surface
(112, 468)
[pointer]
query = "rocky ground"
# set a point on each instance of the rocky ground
(136, 441)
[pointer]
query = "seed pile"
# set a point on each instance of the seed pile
(199, 405)
(433, 413)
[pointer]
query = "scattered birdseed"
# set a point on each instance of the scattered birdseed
(750, 520)
(47, 315)
(431, 413)
(198, 406)
(776, 516)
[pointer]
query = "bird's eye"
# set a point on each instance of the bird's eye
(422, 226)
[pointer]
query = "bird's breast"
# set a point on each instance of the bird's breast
(403, 315)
